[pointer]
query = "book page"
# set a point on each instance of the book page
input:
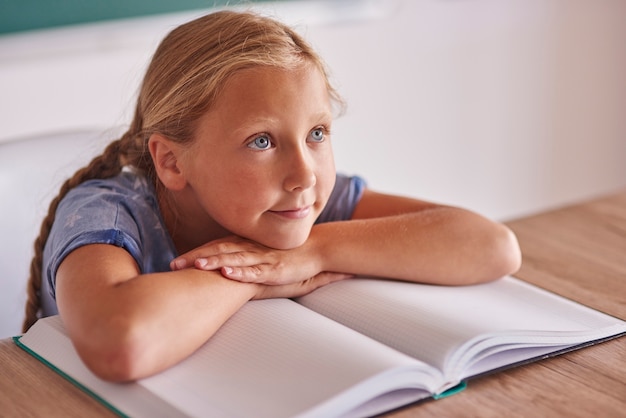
(273, 358)
(432, 322)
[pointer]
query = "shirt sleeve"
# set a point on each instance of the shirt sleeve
(343, 199)
(120, 211)
(90, 215)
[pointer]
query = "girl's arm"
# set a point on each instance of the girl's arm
(388, 236)
(408, 239)
(125, 325)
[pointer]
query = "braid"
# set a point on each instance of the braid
(106, 165)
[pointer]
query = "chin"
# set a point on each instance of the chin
(284, 243)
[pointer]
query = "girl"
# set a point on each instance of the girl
(224, 190)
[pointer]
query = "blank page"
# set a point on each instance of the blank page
(431, 322)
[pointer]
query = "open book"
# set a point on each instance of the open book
(357, 347)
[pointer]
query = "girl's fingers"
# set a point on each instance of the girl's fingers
(215, 255)
(251, 274)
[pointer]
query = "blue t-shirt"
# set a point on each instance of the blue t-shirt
(123, 211)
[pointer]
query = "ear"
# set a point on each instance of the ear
(166, 157)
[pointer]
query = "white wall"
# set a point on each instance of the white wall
(507, 107)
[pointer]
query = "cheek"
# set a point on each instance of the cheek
(220, 188)
(242, 189)
(327, 175)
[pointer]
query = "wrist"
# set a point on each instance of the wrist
(317, 248)
(246, 290)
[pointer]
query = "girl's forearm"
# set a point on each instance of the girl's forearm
(126, 327)
(178, 312)
(442, 245)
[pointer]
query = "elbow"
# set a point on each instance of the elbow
(115, 353)
(504, 256)
(116, 365)
(509, 252)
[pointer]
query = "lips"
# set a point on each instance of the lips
(299, 213)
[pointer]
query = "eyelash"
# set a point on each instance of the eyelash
(325, 132)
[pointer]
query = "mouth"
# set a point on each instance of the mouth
(298, 213)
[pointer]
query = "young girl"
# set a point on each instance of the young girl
(224, 190)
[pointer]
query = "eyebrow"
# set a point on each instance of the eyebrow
(250, 123)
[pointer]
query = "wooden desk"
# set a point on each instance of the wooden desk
(578, 252)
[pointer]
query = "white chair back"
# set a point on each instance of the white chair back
(31, 172)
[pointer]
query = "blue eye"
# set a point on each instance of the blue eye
(317, 135)
(261, 142)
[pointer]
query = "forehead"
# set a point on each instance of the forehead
(269, 82)
(267, 90)
(261, 97)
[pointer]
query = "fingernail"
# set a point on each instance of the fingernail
(178, 264)
(228, 270)
(201, 262)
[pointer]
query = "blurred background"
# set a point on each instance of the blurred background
(505, 107)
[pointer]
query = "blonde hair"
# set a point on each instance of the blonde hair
(183, 80)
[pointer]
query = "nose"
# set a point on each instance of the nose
(299, 171)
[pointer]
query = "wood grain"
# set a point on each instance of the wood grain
(30, 389)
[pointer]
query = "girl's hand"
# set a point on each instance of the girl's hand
(294, 290)
(247, 261)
